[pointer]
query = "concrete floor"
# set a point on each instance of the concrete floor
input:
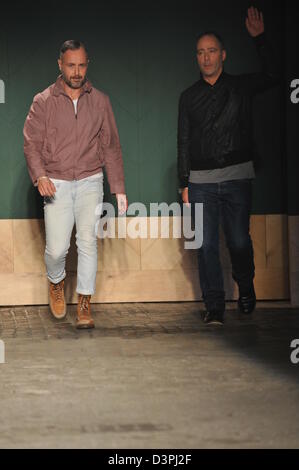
(149, 376)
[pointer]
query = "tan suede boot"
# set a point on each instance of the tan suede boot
(56, 300)
(84, 319)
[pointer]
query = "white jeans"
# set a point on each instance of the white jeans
(75, 202)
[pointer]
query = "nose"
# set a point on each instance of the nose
(206, 57)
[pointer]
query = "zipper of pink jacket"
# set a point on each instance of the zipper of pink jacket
(76, 117)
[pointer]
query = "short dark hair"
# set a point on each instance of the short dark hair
(72, 45)
(212, 33)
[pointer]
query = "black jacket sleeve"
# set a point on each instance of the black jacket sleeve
(183, 142)
(269, 74)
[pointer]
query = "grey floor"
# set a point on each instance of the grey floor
(149, 376)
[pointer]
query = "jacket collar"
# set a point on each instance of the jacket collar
(221, 77)
(59, 88)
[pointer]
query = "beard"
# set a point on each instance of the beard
(75, 84)
(208, 71)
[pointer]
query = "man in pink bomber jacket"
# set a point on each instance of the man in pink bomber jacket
(69, 135)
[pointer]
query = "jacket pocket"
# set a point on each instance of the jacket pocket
(49, 145)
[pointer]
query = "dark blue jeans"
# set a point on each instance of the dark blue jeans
(229, 204)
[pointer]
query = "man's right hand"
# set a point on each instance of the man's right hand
(185, 196)
(45, 186)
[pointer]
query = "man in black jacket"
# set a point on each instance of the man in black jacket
(215, 151)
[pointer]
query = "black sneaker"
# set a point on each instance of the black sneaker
(246, 303)
(213, 317)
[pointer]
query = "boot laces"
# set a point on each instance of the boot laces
(84, 304)
(58, 291)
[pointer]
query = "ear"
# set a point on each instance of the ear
(223, 55)
(59, 63)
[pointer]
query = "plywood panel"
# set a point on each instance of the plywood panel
(258, 236)
(272, 283)
(23, 289)
(293, 225)
(6, 246)
(277, 241)
(167, 255)
(29, 246)
(293, 232)
(140, 269)
(135, 286)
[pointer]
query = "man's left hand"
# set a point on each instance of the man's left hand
(122, 203)
(255, 22)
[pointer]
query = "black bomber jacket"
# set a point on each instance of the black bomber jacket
(215, 121)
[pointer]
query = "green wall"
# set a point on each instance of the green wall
(142, 55)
